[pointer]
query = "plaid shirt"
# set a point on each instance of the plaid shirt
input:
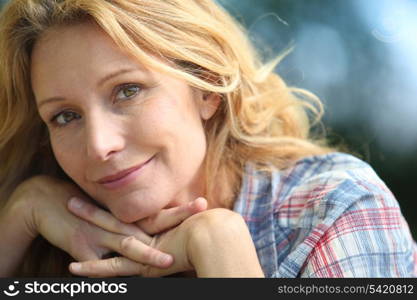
(326, 216)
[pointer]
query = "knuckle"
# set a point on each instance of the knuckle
(76, 238)
(113, 223)
(44, 183)
(39, 180)
(32, 187)
(74, 242)
(88, 268)
(148, 255)
(115, 264)
(151, 272)
(126, 244)
(144, 224)
(89, 210)
(220, 216)
(149, 225)
(217, 221)
(151, 219)
(146, 271)
(154, 229)
(43, 186)
(80, 245)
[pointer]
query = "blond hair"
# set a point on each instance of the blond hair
(260, 119)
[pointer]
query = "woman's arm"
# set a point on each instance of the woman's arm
(16, 234)
(221, 246)
(33, 205)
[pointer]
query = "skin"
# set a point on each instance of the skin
(88, 233)
(99, 128)
(100, 125)
(213, 243)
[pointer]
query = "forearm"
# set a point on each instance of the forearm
(15, 237)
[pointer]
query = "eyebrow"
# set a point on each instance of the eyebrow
(99, 83)
(115, 74)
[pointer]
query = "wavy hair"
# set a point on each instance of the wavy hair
(260, 119)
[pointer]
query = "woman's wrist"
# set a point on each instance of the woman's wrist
(220, 245)
(17, 233)
(20, 210)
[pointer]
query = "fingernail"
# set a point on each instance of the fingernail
(165, 259)
(76, 267)
(76, 203)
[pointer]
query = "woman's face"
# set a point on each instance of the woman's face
(131, 138)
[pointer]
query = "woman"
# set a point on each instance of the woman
(147, 138)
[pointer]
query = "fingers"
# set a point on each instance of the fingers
(137, 257)
(87, 254)
(171, 217)
(112, 267)
(104, 219)
(113, 235)
(136, 250)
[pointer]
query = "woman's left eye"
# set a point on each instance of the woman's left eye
(126, 92)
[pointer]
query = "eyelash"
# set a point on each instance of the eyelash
(125, 87)
(117, 90)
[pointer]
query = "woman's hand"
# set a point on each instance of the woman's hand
(214, 243)
(44, 200)
(131, 248)
(120, 234)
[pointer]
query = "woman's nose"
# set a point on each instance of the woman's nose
(104, 137)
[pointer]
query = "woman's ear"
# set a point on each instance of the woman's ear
(208, 104)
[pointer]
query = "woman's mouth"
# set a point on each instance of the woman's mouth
(123, 177)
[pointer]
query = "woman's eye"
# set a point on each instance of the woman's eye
(128, 91)
(65, 117)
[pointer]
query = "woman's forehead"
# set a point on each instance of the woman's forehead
(75, 54)
(88, 41)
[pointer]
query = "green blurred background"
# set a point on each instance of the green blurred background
(360, 58)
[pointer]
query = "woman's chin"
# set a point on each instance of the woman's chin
(133, 212)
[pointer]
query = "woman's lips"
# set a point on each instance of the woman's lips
(124, 177)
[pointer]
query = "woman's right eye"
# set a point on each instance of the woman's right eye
(65, 117)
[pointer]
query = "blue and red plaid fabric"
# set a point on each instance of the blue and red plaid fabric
(326, 216)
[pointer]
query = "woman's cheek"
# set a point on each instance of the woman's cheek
(67, 154)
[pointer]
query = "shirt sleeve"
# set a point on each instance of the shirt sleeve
(368, 238)
(327, 216)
